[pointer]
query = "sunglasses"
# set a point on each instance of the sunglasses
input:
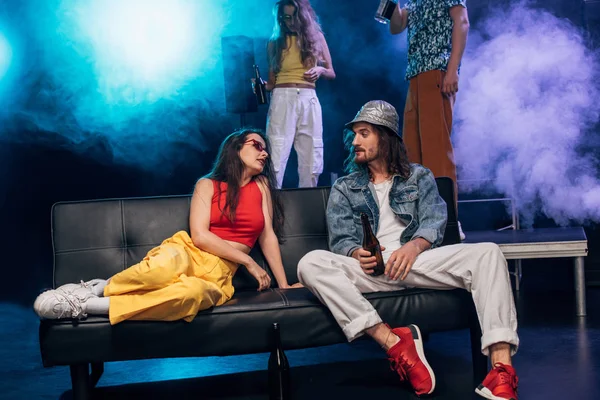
(257, 145)
(287, 17)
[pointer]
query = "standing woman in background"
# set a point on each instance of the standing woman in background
(298, 56)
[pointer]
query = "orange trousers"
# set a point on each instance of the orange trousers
(428, 125)
(174, 281)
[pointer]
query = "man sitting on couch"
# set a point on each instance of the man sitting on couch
(409, 217)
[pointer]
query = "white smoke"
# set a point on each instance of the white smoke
(529, 101)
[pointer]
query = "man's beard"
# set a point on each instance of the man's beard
(365, 157)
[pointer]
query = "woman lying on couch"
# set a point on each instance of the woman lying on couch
(231, 208)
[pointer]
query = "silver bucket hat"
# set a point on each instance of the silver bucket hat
(378, 112)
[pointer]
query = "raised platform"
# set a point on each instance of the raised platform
(542, 243)
(535, 243)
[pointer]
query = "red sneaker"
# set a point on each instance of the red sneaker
(499, 384)
(407, 358)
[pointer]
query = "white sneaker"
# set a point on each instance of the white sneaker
(66, 301)
(461, 233)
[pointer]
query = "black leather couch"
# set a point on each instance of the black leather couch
(96, 239)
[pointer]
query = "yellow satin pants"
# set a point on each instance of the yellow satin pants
(174, 281)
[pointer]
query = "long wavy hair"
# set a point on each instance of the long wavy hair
(309, 30)
(228, 168)
(391, 148)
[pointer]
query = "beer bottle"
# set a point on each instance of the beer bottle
(279, 369)
(259, 87)
(371, 244)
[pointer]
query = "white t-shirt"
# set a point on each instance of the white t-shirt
(390, 226)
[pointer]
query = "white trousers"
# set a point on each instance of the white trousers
(295, 118)
(338, 282)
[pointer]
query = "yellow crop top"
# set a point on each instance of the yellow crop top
(292, 70)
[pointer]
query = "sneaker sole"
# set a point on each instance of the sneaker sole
(487, 393)
(416, 334)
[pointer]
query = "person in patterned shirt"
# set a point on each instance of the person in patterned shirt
(437, 36)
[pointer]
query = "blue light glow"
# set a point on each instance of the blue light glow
(140, 51)
(133, 73)
(133, 76)
(5, 55)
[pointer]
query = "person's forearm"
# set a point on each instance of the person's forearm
(460, 32)
(421, 244)
(328, 73)
(270, 83)
(398, 21)
(270, 248)
(213, 244)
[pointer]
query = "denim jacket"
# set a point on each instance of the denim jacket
(415, 201)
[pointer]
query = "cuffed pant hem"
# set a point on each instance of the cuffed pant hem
(356, 328)
(501, 335)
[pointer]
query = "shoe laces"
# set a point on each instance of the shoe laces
(506, 377)
(76, 290)
(401, 365)
(72, 300)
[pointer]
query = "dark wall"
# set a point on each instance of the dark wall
(34, 176)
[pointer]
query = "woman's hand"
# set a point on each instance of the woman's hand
(313, 74)
(296, 285)
(261, 276)
(253, 82)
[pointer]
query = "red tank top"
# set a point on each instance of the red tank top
(249, 218)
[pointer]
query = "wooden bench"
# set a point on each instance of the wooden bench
(542, 243)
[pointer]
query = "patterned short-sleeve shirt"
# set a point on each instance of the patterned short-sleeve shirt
(429, 34)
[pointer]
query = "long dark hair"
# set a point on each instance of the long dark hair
(391, 148)
(228, 168)
(309, 31)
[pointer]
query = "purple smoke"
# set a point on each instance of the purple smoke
(525, 114)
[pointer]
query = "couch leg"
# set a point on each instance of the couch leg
(97, 371)
(80, 381)
(480, 362)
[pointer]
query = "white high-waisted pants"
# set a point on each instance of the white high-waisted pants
(338, 281)
(295, 118)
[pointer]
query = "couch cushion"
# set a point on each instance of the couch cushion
(305, 227)
(242, 326)
(99, 238)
